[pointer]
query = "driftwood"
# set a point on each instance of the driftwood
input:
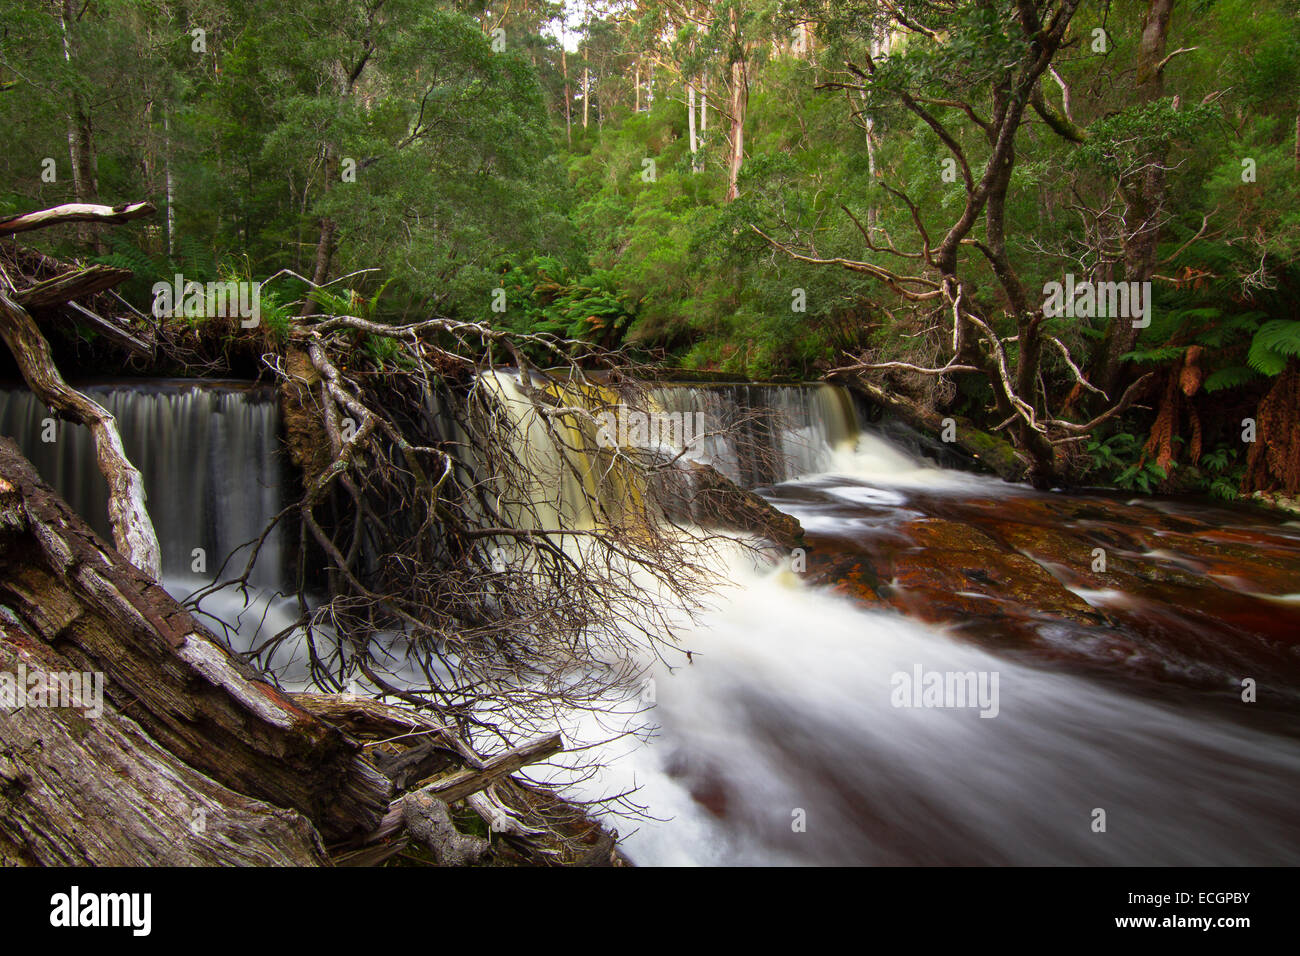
(184, 726)
(119, 333)
(133, 532)
(428, 821)
(464, 783)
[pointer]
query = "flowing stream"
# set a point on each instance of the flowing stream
(794, 734)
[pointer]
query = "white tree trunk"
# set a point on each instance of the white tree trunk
(690, 123)
(171, 184)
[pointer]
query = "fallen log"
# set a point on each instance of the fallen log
(184, 723)
(464, 783)
(120, 334)
(996, 453)
(71, 285)
(74, 212)
(81, 789)
(133, 532)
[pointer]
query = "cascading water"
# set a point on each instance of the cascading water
(784, 738)
(762, 434)
(209, 454)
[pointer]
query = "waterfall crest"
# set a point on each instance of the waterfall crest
(209, 455)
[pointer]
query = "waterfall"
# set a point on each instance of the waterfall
(208, 453)
(764, 434)
(787, 706)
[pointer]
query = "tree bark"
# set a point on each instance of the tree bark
(184, 726)
(74, 212)
(690, 124)
(71, 285)
(133, 532)
(568, 98)
(81, 151)
(739, 104)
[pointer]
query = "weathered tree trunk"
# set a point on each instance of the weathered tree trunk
(74, 212)
(76, 790)
(192, 759)
(133, 532)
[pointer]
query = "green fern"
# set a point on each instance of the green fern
(1164, 353)
(1281, 336)
(1271, 346)
(1229, 377)
(125, 254)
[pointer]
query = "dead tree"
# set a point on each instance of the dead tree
(133, 531)
(498, 565)
(190, 759)
(501, 566)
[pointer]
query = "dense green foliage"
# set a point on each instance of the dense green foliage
(453, 149)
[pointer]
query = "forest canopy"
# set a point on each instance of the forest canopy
(732, 187)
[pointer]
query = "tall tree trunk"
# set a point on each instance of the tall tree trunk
(690, 125)
(704, 106)
(568, 98)
(81, 150)
(170, 183)
(586, 95)
(1144, 192)
(328, 232)
(739, 104)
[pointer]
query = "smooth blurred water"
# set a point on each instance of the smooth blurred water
(785, 713)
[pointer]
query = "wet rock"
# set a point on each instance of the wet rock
(696, 492)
